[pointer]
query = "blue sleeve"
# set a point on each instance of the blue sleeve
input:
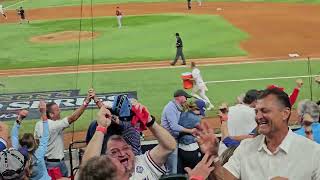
(173, 120)
(300, 131)
(43, 144)
(230, 142)
(2, 146)
(15, 135)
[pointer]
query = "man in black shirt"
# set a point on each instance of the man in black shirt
(22, 15)
(179, 51)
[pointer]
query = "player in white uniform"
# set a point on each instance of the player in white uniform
(149, 166)
(199, 87)
(2, 11)
(119, 17)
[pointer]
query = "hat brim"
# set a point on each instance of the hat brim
(202, 112)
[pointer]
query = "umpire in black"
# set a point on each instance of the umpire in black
(179, 51)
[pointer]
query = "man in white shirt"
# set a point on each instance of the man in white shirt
(147, 166)
(241, 117)
(55, 155)
(276, 153)
(199, 87)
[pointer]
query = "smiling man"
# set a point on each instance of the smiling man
(277, 152)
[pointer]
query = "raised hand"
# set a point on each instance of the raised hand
(91, 93)
(21, 115)
(104, 117)
(207, 140)
(203, 168)
(43, 109)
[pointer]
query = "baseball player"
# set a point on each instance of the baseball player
(21, 13)
(199, 87)
(119, 17)
(2, 11)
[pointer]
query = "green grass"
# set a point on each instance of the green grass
(143, 38)
(28, 4)
(155, 87)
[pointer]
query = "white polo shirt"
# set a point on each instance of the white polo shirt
(146, 169)
(297, 158)
(55, 144)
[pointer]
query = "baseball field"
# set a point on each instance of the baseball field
(238, 46)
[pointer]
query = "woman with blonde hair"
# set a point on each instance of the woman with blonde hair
(189, 154)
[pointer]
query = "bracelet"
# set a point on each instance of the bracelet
(149, 124)
(196, 178)
(101, 129)
(85, 104)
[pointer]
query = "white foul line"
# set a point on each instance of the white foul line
(259, 79)
(15, 4)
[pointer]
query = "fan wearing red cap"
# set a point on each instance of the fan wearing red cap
(295, 93)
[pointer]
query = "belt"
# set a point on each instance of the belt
(53, 160)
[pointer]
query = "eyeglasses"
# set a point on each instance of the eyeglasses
(116, 152)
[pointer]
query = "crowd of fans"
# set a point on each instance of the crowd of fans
(256, 141)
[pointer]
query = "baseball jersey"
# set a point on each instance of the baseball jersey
(118, 13)
(146, 169)
(197, 77)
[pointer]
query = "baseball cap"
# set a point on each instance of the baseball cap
(12, 164)
(181, 92)
(202, 106)
(272, 86)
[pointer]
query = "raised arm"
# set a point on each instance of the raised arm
(43, 144)
(78, 112)
(209, 144)
(96, 99)
(167, 143)
(95, 145)
(15, 129)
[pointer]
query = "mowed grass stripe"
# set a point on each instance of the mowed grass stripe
(143, 38)
(155, 87)
(32, 4)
